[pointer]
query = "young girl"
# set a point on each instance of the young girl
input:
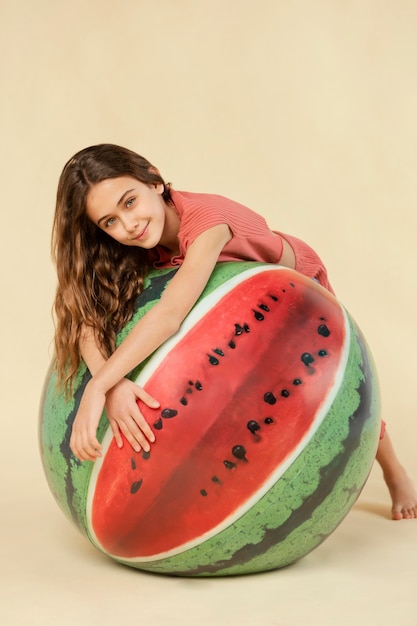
(114, 218)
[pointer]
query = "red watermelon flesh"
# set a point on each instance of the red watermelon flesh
(241, 391)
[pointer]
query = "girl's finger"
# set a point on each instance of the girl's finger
(143, 424)
(149, 400)
(85, 450)
(116, 433)
(134, 435)
(94, 447)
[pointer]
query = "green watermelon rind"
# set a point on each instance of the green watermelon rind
(276, 506)
(69, 479)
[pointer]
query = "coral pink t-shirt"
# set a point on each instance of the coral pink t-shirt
(252, 239)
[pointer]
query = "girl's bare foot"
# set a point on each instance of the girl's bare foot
(404, 497)
(401, 487)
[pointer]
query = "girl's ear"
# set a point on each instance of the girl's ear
(158, 186)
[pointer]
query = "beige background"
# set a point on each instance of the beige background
(306, 111)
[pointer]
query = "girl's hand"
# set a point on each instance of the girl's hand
(84, 443)
(125, 417)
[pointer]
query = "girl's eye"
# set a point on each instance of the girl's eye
(129, 203)
(109, 222)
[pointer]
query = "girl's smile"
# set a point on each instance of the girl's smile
(133, 213)
(142, 234)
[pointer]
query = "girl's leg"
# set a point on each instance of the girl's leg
(401, 487)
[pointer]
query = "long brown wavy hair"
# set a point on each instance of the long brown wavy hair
(98, 278)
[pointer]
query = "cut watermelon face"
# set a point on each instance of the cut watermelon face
(269, 421)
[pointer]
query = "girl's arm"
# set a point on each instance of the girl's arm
(120, 399)
(162, 321)
(90, 350)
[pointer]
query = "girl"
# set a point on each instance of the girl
(114, 218)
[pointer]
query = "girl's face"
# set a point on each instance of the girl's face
(129, 211)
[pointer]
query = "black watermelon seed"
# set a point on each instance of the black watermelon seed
(218, 351)
(274, 298)
(184, 401)
(264, 307)
(258, 315)
(216, 480)
(292, 285)
(189, 390)
(307, 358)
(322, 352)
(203, 492)
(133, 463)
(198, 385)
(323, 330)
(239, 452)
(297, 381)
(253, 426)
(158, 424)
(146, 455)
(268, 420)
(134, 488)
(232, 344)
(285, 393)
(246, 328)
(168, 413)
(190, 382)
(213, 360)
(229, 464)
(269, 398)
(238, 329)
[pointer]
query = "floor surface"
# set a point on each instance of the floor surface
(364, 573)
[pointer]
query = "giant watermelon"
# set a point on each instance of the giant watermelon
(267, 430)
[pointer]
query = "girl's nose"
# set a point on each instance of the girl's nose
(130, 224)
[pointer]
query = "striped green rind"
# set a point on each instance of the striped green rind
(293, 517)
